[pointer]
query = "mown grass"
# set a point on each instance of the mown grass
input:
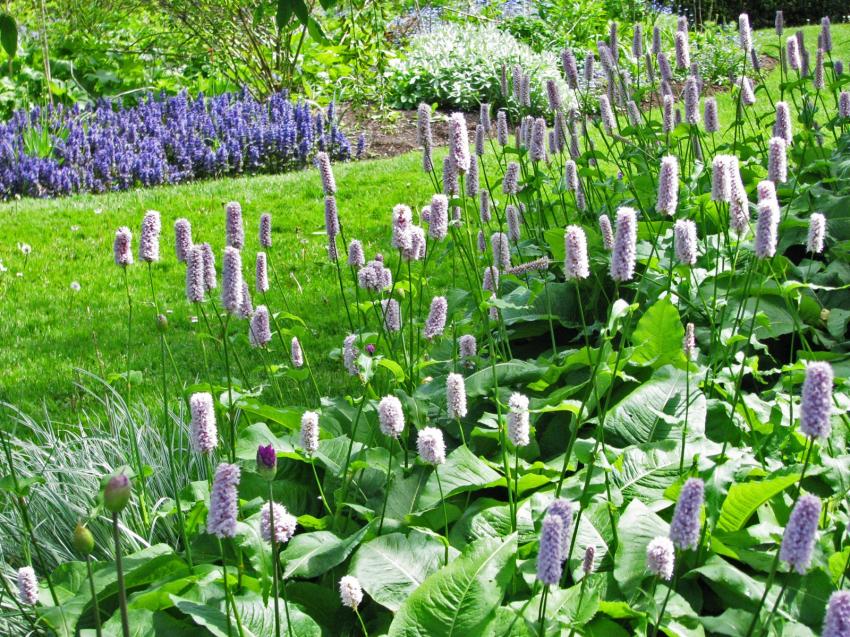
(48, 330)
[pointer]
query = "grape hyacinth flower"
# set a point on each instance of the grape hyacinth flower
(284, 523)
(510, 182)
(836, 623)
(260, 333)
(455, 396)
(782, 127)
(149, 237)
(689, 343)
(262, 273)
(519, 427)
(816, 400)
(817, 232)
(549, 558)
(202, 428)
(391, 416)
(683, 52)
(231, 280)
(266, 230)
(350, 352)
(792, 53)
(182, 239)
(210, 281)
(800, 534)
(660, 557)
(777, 161)
(350, 592)
(668, 185)
(295, 353)
(625, 245)
(766, 230)
(195, 288)
(310, 432)
(501, 250)
(122, 247)
(685, 241)
(575, 260)
(431, 446)
(436, 321)
(685, 527)
(438, 218)
(323, 161)
(224, 501)
(234, 230)
(459, 142)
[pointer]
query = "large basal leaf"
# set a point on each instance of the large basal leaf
(462, 471)
(461, 599)
(8, 34)
(645, 472)
(658, 336)
(745, 497)
(311, 554)
(391, 567)
(734, 586)
(655, 409)
(515, 372)
(637, 527)
(145, 623)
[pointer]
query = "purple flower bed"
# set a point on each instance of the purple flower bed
(164, 140)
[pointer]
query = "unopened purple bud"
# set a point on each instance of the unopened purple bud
(779, 23)
(668, 186)
(266, 230)
(326, 173)
(331, 217)
(685, 526)
(625, 245)
(575, 259)
(204, 434)
(459, 142)
(484, 117)
(800, 534)
(782, 127)
(195, 288)
(117, 493)
(660, 557)
(310, 432)
(606, 232)
(182, 239)
(231, 280)
(685, 241)
(816, 400)
(122, 247)
(766, 230)
(262, 273)
(149, 238)
(234, 229)
(210, 281)
(501, 250)
(260, 332)
(391, 416)
(683, 51)
(836, 623)
(436, 321)
(549, 558)
(817, 233)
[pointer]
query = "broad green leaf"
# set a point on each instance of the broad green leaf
(311, 554)
(658, 336)
(460, 600)
(9, 34)
(745, 497)
(144, 623)
(514, 372)
(391, 567)
(462, 471)
(655, 409)
(637, 527)
(645, 472)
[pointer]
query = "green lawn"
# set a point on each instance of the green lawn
(48, 330)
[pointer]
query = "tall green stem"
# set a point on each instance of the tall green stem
(119, 569)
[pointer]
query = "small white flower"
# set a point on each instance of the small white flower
(25, 248)
(98, 211)
(75, 286)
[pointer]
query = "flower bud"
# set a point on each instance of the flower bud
(117, 492)
(83, 540)
(267, 462)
